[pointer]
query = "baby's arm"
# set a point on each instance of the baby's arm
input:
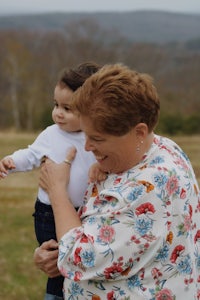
(96, 174)
(6, 164)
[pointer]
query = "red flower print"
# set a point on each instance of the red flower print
(183, 194)
(110, 296)
(77, 258)
(169, 225)
(118, 180)
(86, 239)
(109, 198)
(197, 236)
(135, 240)
(97, 201)
(145, 208)
(116, 268)
(176, 253)
(190, 210)
(156, 273)
(168, 202)
(198, 207)
(187, 223)
(77, 276)
(164, 294)
(141, 274)
(106, 234)
(163, 147)
(82, 210)
(198, 294)
(186, 281)
(172, 185)
(146, 245)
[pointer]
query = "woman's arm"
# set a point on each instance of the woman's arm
(54, 179)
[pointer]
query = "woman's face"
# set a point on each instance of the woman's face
(115, 154)
(62, 114)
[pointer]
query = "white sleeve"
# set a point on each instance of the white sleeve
(30, 157)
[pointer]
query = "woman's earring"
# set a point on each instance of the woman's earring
(138, 146)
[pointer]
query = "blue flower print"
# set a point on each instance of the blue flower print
(163, 253)
(197, 260)
(157, 160)
(74, 291)
(135, 193)
(133, 282)
(184, 265)
(143, 225)
(160, 180)
(91, 220)
(87, 258)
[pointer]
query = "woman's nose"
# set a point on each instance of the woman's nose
(88, 145)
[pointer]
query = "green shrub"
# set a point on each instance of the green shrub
(176, 124)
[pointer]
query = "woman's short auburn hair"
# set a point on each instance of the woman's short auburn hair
(117, 98)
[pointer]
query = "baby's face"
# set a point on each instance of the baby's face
(62, 114)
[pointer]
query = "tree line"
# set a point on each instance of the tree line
(30, 62)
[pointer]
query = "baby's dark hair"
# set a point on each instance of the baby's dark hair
(75, 77)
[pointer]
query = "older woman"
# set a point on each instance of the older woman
(138, 234)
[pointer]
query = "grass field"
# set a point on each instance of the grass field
(19, 278)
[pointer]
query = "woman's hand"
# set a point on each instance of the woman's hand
(53, 175)
(45, 258)
(54, 179)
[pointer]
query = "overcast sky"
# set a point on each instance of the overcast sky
(32, 6)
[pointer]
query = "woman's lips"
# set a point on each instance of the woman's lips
(100, 158)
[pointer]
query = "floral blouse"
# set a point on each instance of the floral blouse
(140, 233)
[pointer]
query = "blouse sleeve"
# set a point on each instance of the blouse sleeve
(122, 229)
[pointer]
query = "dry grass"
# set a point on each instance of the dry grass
(19, 278)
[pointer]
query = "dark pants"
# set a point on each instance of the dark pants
(45, 230)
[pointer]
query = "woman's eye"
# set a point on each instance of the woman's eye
(97, 140)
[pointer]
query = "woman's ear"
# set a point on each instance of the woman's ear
(141, 130)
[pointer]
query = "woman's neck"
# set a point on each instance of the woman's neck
(143, 147)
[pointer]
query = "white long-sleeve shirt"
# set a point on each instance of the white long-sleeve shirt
(55, 143)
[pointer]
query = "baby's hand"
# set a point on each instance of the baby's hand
(6, 164)
(96, 174)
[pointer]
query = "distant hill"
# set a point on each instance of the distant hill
(138, 26)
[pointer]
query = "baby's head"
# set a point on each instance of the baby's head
(75, 77)
(69, 81)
